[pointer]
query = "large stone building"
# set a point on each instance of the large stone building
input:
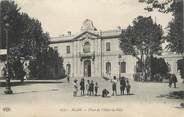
(93, 53)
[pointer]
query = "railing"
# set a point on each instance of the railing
(89, 54)
(83, 55)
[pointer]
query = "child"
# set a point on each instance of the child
(105, 93)
(128, 87)
(75, 88)
(96, 88)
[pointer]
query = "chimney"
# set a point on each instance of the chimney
(69, 33)
(119, 27)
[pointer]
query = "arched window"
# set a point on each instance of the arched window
(123, 67)
(108, 68)
(86, 47)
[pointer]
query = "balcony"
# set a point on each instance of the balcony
(89, 55)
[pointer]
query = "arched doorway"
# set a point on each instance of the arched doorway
(87, 68)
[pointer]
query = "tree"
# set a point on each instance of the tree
(47, 64)
(158, 66)
(10, 14)
(142, 39)
(175, 36)
(163, 6)
(176, 30)
(26, 37)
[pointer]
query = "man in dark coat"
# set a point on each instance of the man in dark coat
(174, 79)
(82, 86)
(122, 85)
(170, 80)
(91, 88)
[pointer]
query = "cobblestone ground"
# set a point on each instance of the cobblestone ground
(56, 100)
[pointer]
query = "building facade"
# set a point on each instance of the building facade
(93, 53)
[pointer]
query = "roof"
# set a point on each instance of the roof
(110, 34)
(88, 30)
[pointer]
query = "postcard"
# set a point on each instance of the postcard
(95, 58)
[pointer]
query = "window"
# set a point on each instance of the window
(86, 47)
(108, 68)
(108, 46)
(68, 49)
(123, 67)
(68, 69)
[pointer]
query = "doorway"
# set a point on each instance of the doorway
(87, 68)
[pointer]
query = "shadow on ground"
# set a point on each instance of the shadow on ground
(24, 92)
(3, 84)
(174, 95)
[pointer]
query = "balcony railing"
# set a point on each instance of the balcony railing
(83, 55)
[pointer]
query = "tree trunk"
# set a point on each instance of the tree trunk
(142, 65)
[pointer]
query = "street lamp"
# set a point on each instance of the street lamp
(8, 85)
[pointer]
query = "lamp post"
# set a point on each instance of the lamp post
(8, 85)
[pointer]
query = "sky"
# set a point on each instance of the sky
(60, 16)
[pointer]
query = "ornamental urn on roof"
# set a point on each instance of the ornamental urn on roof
(87, 25)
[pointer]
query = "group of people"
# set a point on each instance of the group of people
(124, 84)
(172, 80)
(90, 88)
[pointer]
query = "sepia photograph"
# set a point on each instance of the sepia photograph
(74, 58)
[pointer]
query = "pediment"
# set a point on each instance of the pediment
(87, 35)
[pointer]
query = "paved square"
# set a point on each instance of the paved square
(44, 99)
